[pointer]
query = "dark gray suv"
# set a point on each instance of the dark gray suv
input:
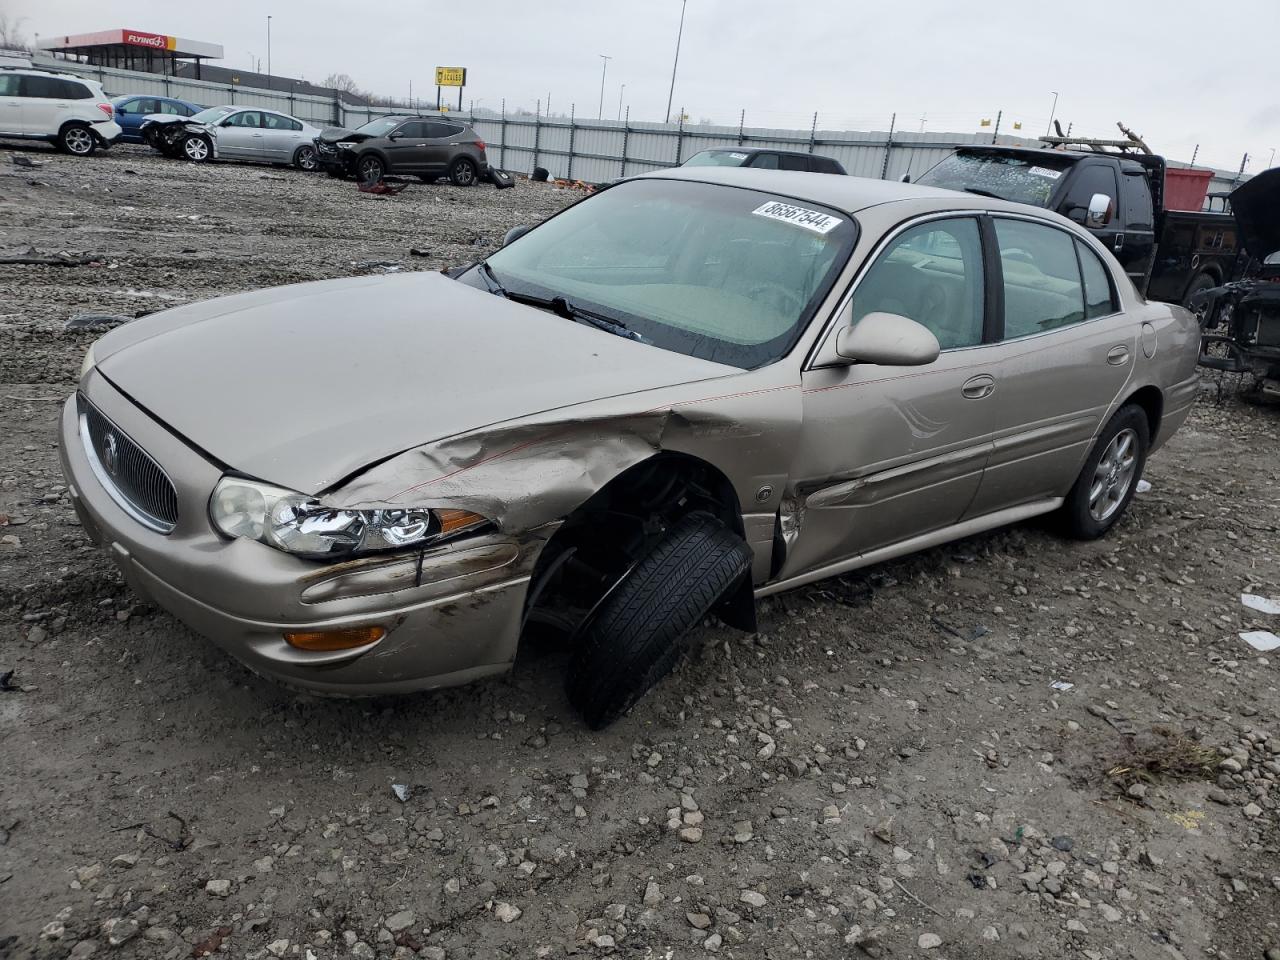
(428, 147)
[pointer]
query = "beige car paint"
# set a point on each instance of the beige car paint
(851, 462)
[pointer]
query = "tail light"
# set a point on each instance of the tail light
(479, 143)
(109, 110)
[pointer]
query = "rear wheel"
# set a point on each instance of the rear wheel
(196, 149)
(305, 158)
(463, 172)
(1199, 283)
(370, 169)
(77, 140)
(1110, 476)
(637, 632)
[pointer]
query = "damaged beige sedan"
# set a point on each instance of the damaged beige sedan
(691, 390)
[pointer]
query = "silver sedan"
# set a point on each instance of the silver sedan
(234, 133)
(691, 390)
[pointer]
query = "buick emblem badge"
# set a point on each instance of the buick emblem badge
(111, 454)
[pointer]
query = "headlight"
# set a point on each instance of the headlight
(87, 363)
(347, 145)
(301, 525)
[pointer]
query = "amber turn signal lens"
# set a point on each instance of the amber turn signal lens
(455, 521)
(329, 640)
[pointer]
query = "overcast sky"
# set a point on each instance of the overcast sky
(1181, 73)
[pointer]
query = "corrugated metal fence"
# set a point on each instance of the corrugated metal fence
(590, 150)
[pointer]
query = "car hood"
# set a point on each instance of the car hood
(1256, 206)
(336, 134)
(306, 385)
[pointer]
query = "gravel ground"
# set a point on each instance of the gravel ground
(885, 770)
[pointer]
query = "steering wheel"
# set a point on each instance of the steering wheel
(777, 296)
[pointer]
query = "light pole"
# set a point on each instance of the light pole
(675, 63)
(1052, 110)
(268, 46)
(604, 69)
(623, 89)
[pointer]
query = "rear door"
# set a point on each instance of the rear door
(12, 119)
(439, 149)
(129, 114)
(789, 161)
(1066, 353)
(42, 101)
(764, 161)
(281, 136)
(1137, 255)
(240, 136)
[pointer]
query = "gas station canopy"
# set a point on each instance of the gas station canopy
(132, 49)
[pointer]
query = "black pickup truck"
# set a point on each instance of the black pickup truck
(1171, 255)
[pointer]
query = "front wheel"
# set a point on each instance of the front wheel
(463, 172)
(1110, 476)
(370, 169)
(196, 149)
(77, 140)
(305, 158)
(638, 630)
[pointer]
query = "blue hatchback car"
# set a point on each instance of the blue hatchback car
(131, 110)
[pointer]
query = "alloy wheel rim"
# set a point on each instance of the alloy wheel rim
(370, 170)
(79, 140)
(1113, 475)
(465, 173)
(307, 159)
(196, 149)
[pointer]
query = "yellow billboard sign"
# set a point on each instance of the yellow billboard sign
(451, 76)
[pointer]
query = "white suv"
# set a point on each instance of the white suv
(68, 111)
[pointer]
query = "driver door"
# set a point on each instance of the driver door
(891, 453)
(240, 136)
(407, 147)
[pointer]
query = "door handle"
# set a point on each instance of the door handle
(1118, 355)
(1118, 242)
(975, 388)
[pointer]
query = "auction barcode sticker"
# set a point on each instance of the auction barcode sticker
(1045, 172)
(814, 220)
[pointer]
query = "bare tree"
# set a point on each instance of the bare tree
(343, 83)
(11, 35)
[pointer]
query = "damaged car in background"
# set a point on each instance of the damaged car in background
(685, 392)
(233, 133)
(423, 146)
(1242, 318)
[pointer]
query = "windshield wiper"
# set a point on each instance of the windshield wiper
(983, 193)
(562, 307)
(490, 279)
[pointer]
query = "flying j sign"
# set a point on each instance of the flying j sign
(156, 41)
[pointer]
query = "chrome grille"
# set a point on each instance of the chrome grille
(133, 479)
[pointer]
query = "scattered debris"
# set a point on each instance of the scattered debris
(210, 944)
(1164, 755)
(33, 257)
(20, 161)
(1063, 685)
(1144, 486)
(419, 252)
(95, 321)
(1263, 640)
(402, 791)
(382, 188)
(1261, 604)
(6, 683)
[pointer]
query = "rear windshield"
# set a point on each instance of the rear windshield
(1028, 180)
(717, 158)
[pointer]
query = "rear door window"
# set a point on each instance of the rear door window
(438, 130)
(1138, 208)
(1042, 288)
(43, 88)
(1099, 297)
(274, 121)
(765, 161)
(788, 162)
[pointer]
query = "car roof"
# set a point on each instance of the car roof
(785, 153)
(40, 72)
(848, 194)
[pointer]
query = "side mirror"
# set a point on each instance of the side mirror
(1099, 212)
(888, 339)
(515, 233)
(395, 136)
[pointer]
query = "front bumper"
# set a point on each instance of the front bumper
(451, 615)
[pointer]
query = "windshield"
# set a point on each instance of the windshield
(212, 115)
(1020, 179)
(380, 127)
(715, 272)
(717, 158)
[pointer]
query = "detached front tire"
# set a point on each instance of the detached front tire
(1107, 483)
(638, 631)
